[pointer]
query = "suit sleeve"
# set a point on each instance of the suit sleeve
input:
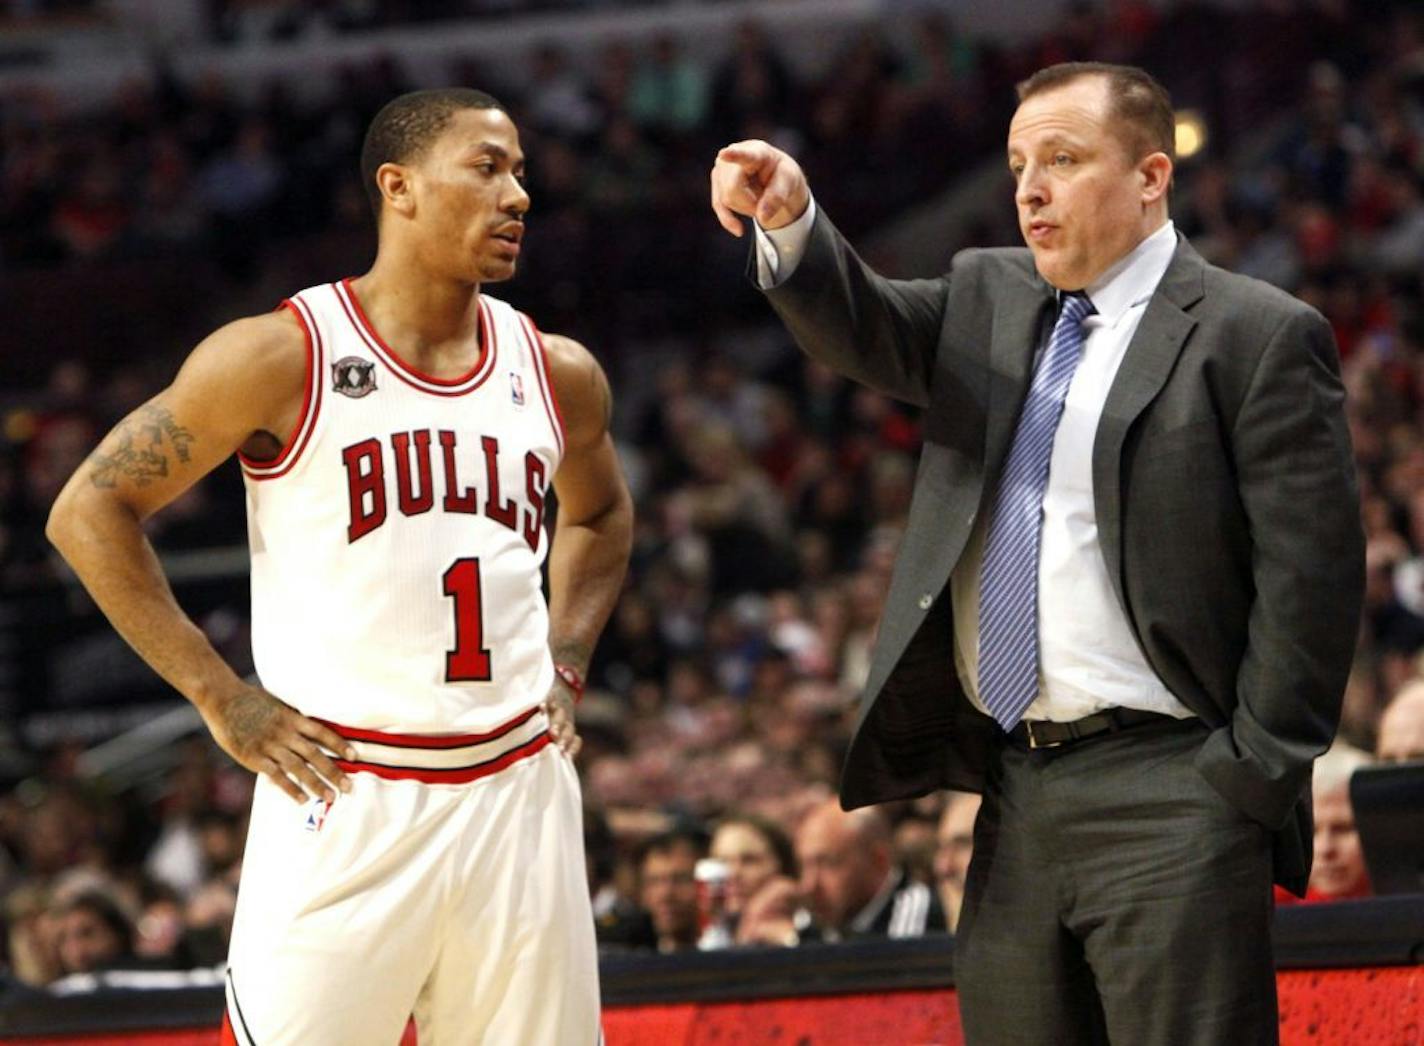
(880, 332)
(1296, 479)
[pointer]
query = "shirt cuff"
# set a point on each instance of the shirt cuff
(779, 251)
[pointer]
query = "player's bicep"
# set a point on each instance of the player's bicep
(151, 456)
(590, 481)
(231, 386)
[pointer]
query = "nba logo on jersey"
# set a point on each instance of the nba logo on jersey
(316, 814)
(516, 388)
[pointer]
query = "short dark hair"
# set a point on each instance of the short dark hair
(407, 124)
(775, 836)
(108, 911)
(1140, 105)
(680, 837)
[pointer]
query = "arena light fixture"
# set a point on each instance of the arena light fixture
(1191, 133)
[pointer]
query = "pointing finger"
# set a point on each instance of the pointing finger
(749, 155)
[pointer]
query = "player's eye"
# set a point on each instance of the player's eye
(1062, 160)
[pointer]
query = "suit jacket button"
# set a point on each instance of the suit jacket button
(926, 601)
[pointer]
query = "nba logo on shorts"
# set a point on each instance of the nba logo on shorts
(316, 814)
(516, 388)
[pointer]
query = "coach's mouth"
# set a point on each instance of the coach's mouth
(1039, 231)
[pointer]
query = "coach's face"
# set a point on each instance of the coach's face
(1083, 200)
(468, 197)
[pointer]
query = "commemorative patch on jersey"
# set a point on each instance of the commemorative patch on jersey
(352, 376)
(516, 388)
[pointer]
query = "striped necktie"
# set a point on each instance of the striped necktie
(1008, 579)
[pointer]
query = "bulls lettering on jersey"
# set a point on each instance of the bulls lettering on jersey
(416, 490)
(447, 477)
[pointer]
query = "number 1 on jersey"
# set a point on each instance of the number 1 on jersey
(469, 662)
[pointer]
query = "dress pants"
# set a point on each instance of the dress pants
(1115, 897)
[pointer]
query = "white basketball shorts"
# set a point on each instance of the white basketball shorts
(449, 883)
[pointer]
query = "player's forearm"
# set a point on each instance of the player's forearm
(104, 543)
(586, 568)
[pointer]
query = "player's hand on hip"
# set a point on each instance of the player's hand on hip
(559, 707)
(754, 179)
(270, 737)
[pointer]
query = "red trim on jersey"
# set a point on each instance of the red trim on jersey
(311, 402)
(432, 741)
(226, 1036)
(455, 775)
(546, 379)
(483, 368)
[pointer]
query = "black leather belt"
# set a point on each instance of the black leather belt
(1045, 734)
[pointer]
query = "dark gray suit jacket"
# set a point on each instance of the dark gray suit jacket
(1225, 495)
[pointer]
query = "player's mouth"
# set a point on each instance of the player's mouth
(510, 236)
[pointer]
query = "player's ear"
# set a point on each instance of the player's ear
(394, 181)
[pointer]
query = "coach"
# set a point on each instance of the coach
(1127, 597)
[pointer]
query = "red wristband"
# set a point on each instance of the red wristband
(571, 679)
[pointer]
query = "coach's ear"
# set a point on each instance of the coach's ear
(394, 181)
(1154, 173)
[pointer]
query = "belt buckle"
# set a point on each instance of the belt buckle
(1034, 742)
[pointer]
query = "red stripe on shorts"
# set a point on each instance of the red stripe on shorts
(432, 741)
(451, 775)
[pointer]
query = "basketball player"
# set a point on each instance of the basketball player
(416, 839)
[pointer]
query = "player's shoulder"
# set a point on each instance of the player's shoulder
(575, 372)
(268, 338)
(568, 355)
(580, 387)
(269, 350)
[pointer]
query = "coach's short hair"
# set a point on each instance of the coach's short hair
(1141, 106)
(406, 125)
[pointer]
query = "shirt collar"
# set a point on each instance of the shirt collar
(865, 919)
(1132, 278)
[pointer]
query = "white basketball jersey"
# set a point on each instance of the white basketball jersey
(397, 540)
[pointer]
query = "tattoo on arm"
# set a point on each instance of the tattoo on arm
(142, 444)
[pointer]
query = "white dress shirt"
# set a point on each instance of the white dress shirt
(1088, 658)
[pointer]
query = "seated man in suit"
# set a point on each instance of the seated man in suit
(849, 883)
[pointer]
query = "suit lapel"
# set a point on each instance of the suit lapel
(1149, 360)
(1018, 326)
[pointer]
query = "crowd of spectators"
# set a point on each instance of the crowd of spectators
(771, 494)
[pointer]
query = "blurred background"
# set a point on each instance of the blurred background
(168, 165)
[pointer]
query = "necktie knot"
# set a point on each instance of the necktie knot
(1075, 306)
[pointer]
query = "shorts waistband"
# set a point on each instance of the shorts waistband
(444, 758)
